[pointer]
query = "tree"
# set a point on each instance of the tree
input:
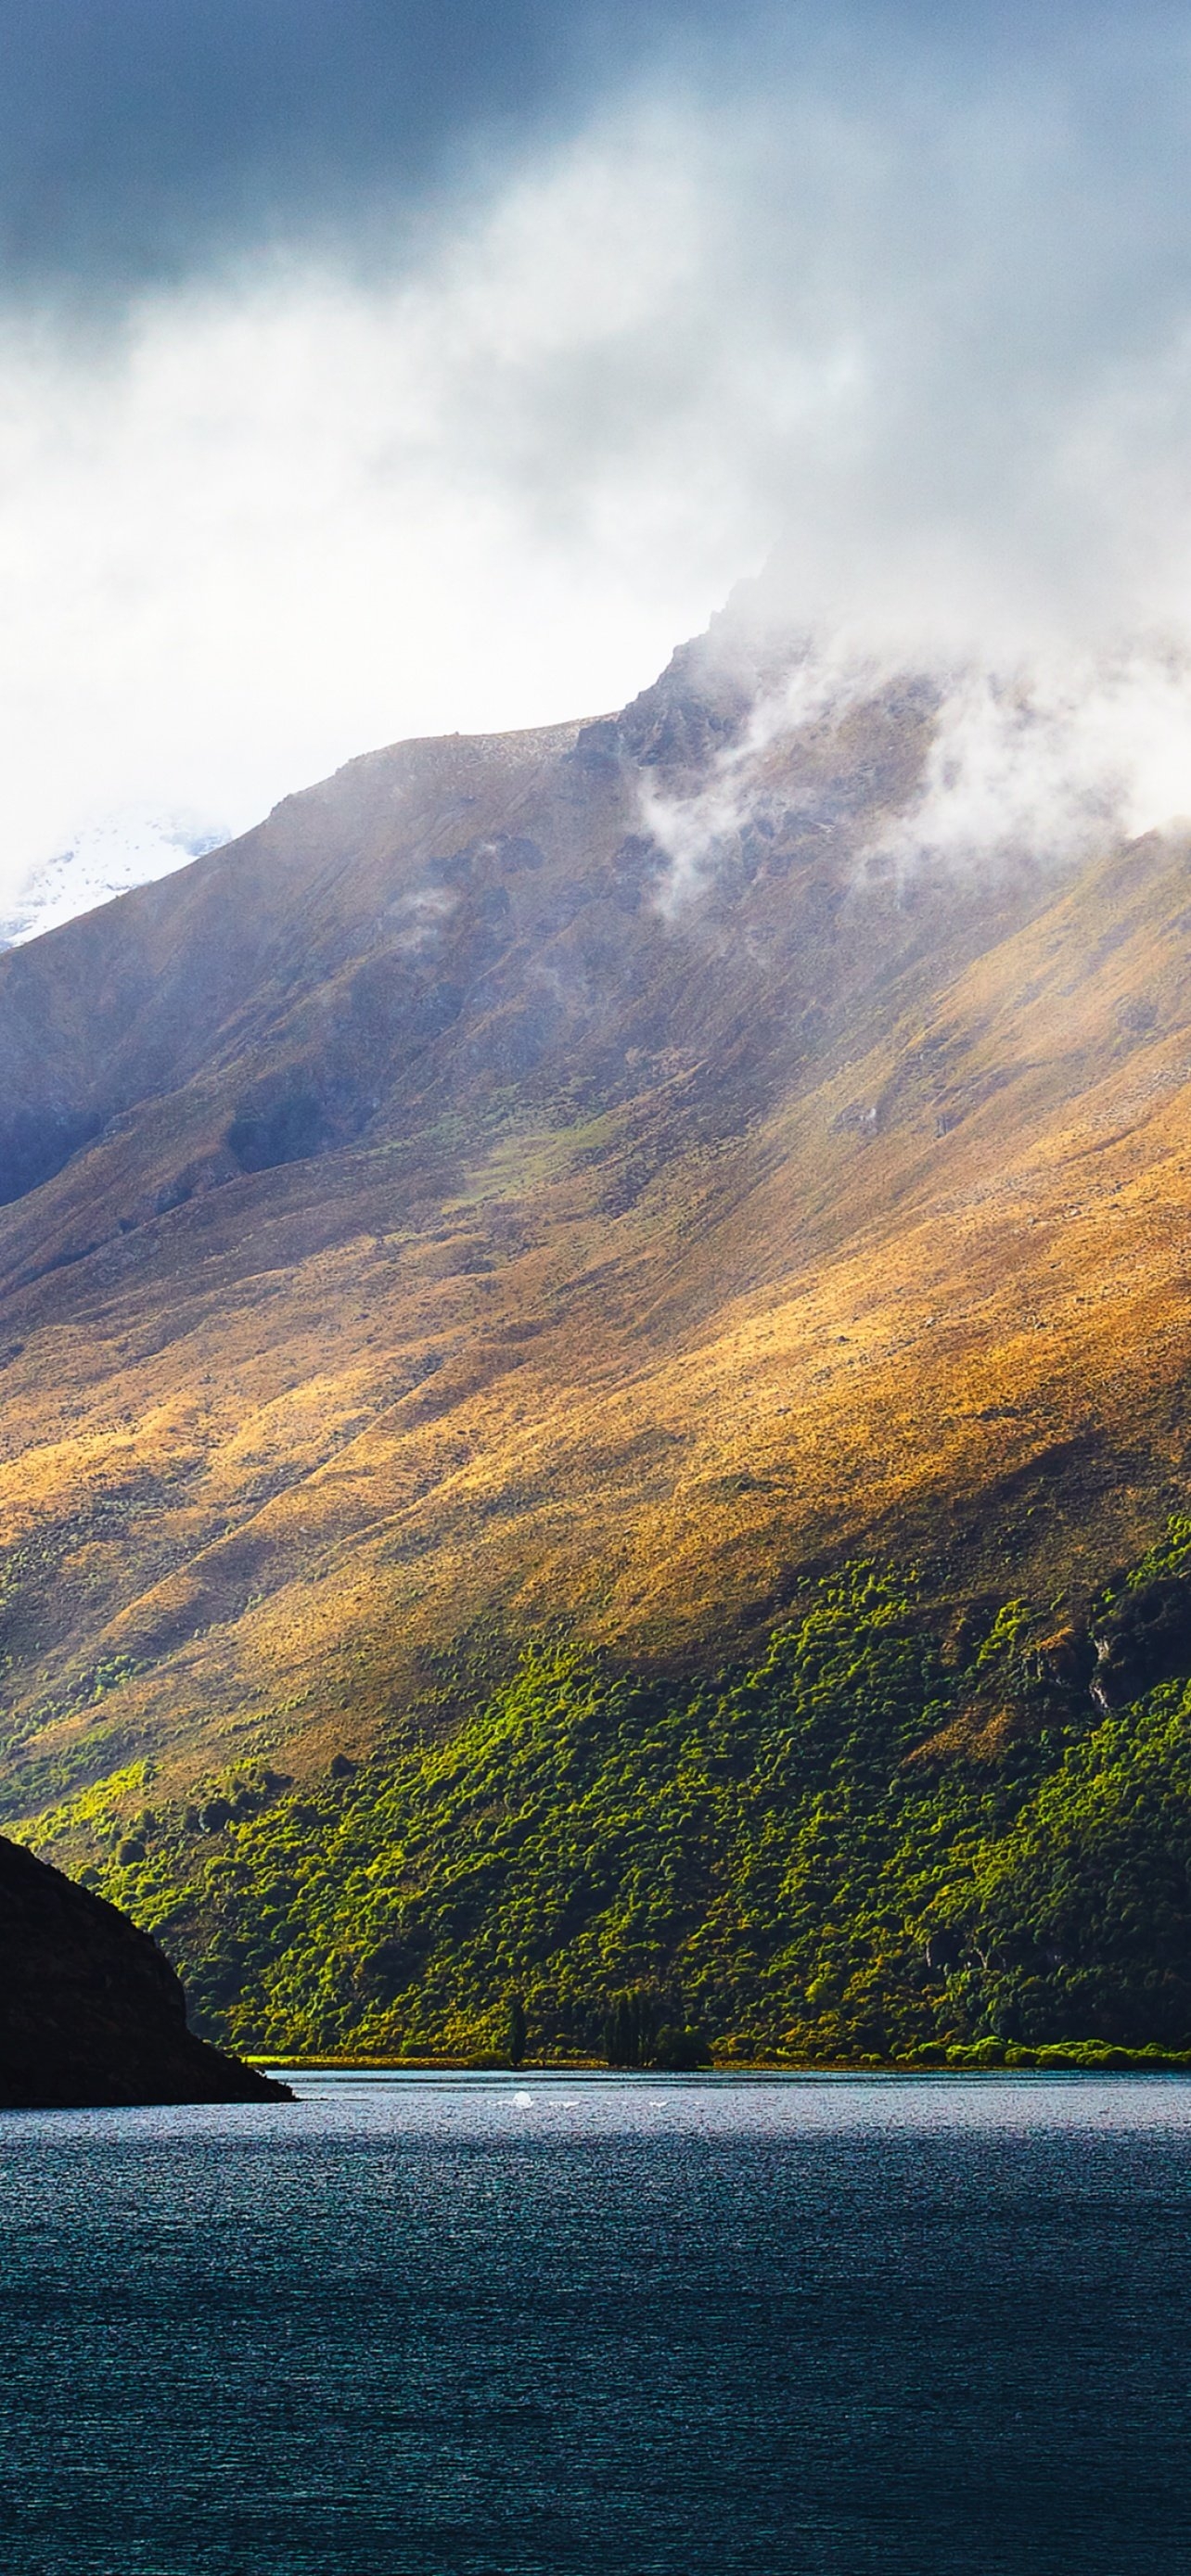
(631, 2027)
(515, 2031)
(679, 2049)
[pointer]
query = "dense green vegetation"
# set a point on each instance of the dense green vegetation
(895, 1834)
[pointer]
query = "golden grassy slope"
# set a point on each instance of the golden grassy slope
(688, 1252)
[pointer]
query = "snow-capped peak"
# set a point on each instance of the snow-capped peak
(108, 859)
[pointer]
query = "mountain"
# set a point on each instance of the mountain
(91, 2014)
(104, 862)
(574, 1191)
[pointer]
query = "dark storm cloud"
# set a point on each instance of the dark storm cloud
(142, 139)
(139, 138)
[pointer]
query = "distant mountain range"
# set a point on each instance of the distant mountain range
(577, 1188)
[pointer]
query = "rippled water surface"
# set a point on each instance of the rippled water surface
(510, 2326)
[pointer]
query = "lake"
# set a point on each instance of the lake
(684, 2326)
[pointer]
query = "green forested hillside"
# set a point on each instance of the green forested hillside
(896, 1831)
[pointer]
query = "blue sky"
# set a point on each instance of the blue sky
(371, 369)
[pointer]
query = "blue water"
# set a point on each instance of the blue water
(676, 2327)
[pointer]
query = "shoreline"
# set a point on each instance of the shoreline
(1043, 2061)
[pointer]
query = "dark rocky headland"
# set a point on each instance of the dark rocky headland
(91, 2013)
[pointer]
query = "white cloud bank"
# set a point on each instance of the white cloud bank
(289, 517)
(933, 345)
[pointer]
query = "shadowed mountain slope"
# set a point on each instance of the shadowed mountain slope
(570, 1176)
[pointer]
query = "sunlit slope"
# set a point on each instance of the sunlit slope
(461, 1222)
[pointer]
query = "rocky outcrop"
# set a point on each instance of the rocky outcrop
(91, 2012)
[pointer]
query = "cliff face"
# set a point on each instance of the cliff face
(568, 1175)
(91, 2014)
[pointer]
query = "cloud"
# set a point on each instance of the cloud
(1042, 761)
(474, 446)
(1051, 761)
(285, 518)
(145, 142)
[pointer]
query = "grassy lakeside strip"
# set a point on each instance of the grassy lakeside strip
(901, 1831)
(1077, 2057)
